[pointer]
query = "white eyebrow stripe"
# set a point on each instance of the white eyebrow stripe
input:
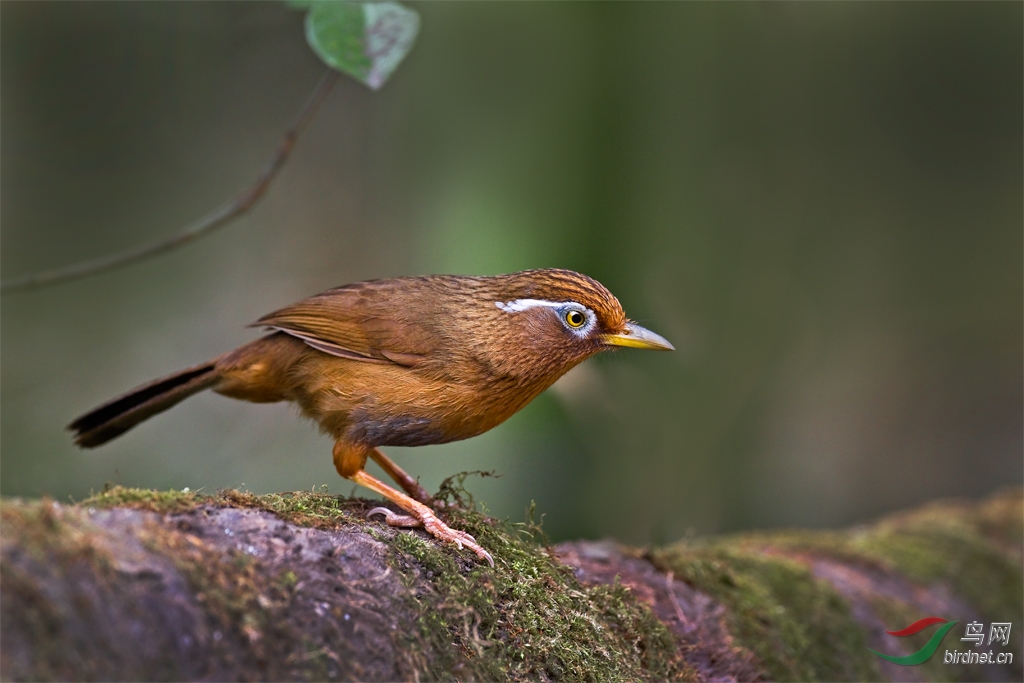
(523, 304)
(520, 305)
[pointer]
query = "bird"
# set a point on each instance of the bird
(407, 361)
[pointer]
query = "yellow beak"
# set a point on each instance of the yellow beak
(638, 338)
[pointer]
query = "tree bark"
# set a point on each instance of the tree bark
(144, 585)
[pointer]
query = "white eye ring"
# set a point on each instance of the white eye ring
(576, 318)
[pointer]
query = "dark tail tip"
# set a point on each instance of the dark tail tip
(115, 417)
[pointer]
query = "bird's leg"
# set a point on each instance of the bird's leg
(349, 461)
(420, 512)
(401, 477)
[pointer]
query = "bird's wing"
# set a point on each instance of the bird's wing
(358, 322)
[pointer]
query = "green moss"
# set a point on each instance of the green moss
(945, 542)
(528, 618)
(50, 532)
(1001, 518)
(165, 502)
(973, 548)
(303, 508)
(896, 614)
(959, 545)
(799, 627)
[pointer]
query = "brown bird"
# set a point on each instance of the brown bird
(404, 362)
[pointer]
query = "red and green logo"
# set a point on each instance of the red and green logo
(925, 653)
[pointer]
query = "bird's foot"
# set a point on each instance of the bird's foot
(435, 527)
(395, 519)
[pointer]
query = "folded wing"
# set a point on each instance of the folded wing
(363, 322)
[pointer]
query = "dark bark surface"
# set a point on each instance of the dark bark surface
(141, 585)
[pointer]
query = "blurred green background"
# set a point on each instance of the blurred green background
(820, 204)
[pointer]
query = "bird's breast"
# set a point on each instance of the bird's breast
(391, 405)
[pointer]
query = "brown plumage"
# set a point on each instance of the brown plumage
(403, 362)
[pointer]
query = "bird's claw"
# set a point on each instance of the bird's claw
(442, 531)
(395, 519)
(436, 528)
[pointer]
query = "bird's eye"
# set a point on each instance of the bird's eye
(575, 319)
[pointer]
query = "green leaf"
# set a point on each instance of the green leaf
(366, 40)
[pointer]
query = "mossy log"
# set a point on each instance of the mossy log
(144, 585)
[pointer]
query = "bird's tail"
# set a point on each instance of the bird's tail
(117, 416)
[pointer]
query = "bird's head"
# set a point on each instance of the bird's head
(550, 320)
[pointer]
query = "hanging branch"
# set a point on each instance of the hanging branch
(231, 209)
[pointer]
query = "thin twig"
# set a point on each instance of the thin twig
(233, 208)
(669, 584)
